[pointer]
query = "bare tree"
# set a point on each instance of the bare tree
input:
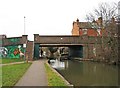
(108, 13)
(105, 10)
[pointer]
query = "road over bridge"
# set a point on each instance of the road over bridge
(65, 39)
(77, 44)
(88, 46)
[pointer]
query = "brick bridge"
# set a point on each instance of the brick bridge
(12, 47)
(65, 40)
(83, 45)
(78, 45)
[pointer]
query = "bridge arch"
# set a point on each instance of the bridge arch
(73, 50)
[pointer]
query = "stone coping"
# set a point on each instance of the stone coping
(14, 63)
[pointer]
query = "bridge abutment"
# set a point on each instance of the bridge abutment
(36, 51)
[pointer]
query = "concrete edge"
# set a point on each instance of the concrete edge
(15, 63)
(68, 84)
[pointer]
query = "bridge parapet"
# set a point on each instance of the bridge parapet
(61, 39)
(14, 40)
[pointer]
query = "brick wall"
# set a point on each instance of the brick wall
(29, 50)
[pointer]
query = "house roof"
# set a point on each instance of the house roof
(88, 25)
(84, 25)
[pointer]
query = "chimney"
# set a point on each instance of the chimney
(100, 20)
(77, 20)
(73, 22)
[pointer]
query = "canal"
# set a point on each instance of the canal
(87, 73)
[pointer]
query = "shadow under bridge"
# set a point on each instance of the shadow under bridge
(74, 44)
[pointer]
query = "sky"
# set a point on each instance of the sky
(43, 17)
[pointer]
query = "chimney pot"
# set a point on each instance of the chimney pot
(77, 20)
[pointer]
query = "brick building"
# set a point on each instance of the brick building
(88, 28)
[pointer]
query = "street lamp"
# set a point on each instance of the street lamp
(24, 25)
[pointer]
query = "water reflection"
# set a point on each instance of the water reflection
(59, 64)
(87, 73)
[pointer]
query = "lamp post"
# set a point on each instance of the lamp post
(24, 25)
(24, 45)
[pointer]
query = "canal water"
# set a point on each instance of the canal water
(87, 73)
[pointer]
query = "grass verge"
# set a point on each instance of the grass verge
(0, 76)
(53, 78)
(12, 73)
(10, 60)
(0, 60)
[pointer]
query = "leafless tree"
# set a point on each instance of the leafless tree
(105, 10)
(108, 13)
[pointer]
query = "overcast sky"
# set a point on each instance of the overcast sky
(44, 17)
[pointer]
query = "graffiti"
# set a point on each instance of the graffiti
(12, 51)
(3, 52)
(14, 40)
(0, 42)
(20, 52)
(16, 51)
